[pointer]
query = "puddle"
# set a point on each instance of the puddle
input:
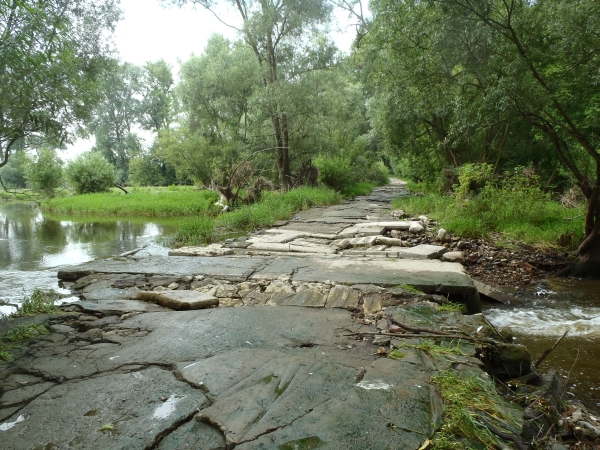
(369, 385)
(168, 407)
(8, 425)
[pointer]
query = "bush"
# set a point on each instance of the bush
(45, 172)
(90, 172)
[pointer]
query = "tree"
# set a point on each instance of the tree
(90, 172)
(158, 101)
(551, 52)
(281, 35)
(45, 172)
(51, 54)
(116, 115)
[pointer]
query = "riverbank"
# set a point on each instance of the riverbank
(319, 325)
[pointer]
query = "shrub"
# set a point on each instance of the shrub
(45, 172)
(90, 172)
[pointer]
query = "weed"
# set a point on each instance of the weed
(272, 207)
(465, 399)
(409, 288)
(517, 209)
(9, 342)
(432, 349)
(396, 354)
(358, 189)
(39, 302)
(26, 332)
(452, 307)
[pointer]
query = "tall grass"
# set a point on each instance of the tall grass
(272, 207)
(140, 202)
(519, 212)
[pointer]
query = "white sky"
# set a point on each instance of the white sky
(149, 31)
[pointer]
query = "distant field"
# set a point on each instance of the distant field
(150, 202)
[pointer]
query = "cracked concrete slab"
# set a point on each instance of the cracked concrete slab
(127, 410)
(231, 268)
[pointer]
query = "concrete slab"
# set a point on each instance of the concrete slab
(313, 227)
(277, 236)
(423, 251)
(493, 292)
(201, 251)
(359, 230)
(179, 300)
(225, 267)
(114, 411)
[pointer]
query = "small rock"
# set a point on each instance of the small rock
(173, 286)
(424, 220)
(381, 340)
(84, 318)
(416, 228)
(443, 236)
(54, 338)
(577, 415)
(454, 257)
(62, 329)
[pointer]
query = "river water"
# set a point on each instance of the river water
(32, 245)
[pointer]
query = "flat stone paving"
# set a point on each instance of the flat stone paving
(277, 365)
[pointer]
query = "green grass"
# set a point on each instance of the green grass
(432, 349)
(153, 202)
(465, 400)
(409, 288)
(9, 342)
(452, 307)
(358, 189)
(272, 207)
(522, 215)
(39, 302)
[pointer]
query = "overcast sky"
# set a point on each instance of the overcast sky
(149, 31)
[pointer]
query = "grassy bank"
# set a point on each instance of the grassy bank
(523, 214)
(151, 202)
(273, 206)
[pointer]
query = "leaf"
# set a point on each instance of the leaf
(107, 427)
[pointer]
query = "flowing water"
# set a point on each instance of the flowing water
(539, 321)
(33, 244)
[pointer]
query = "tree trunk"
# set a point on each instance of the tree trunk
(587, 264)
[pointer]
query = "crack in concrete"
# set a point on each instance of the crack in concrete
(271, 430)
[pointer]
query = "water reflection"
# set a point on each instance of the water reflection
(31, 243)
(29, 240)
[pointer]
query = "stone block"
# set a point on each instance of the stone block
(372, 304)
(360, 230)
(201, 251)
(179, 300)
(308, 298)
(458, 257)
(423, 251)
(365, 241)
(270, 247)
(388, 241)
(343, 297)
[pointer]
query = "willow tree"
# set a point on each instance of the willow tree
(51, 54)
(551, 54)
(280, 34)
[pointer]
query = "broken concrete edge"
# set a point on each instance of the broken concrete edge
(492, 292)
(179, 300)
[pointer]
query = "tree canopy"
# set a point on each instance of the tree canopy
(51, 54)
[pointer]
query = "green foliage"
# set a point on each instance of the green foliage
(25, 332)
(465, 399)
(358, 189)
(143, 171)
(51, 55)
(409, 288)
(471, 177)
(45, 172)
(14, 172)
(184, 201)
(39, 302)
(90, 172)
(395, 354)
(273, 206)
(452, 307)
(435, 350)
(516, 207)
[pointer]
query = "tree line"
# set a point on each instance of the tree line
(429, 87)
